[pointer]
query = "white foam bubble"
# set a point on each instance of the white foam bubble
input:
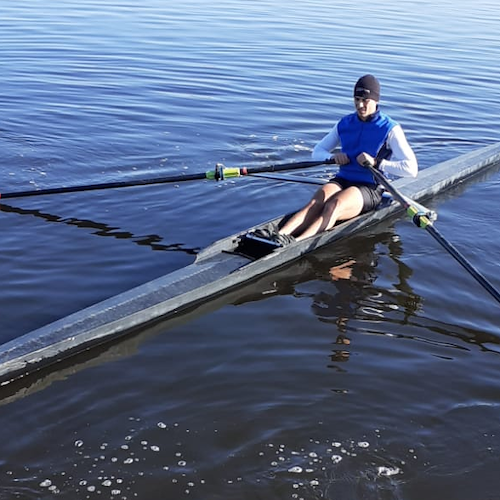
(388, 471)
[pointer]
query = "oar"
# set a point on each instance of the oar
(421, 218)
(219, 173)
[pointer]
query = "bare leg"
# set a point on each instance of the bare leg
(343, 205)
(301, 220)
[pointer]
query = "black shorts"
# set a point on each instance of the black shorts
(372, 193)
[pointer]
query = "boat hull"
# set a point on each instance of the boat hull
(217, 269)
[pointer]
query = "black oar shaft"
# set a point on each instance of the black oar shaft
(463, 261)
(382, 179)
(426, 223)
(104, 185)
(219, 173)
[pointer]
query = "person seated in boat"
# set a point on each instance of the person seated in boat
(366, 136)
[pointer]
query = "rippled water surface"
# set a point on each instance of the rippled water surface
(380, 385)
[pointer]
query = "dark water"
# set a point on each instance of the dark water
(381, 386)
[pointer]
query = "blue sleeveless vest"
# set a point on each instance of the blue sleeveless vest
(356, 137)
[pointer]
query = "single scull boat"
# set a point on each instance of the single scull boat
(223, 266)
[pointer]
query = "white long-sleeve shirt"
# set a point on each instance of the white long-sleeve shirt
(402, 162)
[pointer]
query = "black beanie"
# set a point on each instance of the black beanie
(367, 87)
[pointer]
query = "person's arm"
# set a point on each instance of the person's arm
(323, 150)
(403, 161)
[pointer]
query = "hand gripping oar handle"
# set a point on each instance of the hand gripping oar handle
(219, 173)
(423, 218)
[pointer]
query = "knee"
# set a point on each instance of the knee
(317, 203)
(314, 204)
(319, 199)
(330, 208)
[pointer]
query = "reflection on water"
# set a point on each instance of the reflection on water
(355, 279)
(101, 229)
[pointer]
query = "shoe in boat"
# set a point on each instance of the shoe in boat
(283, 239)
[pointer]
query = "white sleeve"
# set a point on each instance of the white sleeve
(402, 162)
(323, 150)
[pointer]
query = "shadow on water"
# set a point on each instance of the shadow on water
(100, 229)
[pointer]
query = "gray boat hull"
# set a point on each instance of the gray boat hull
(216, 270)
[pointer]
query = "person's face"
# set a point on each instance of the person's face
(365, 107)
